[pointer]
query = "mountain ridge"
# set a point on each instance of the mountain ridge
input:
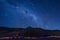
(29, 31)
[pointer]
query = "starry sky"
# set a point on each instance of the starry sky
(36, 13)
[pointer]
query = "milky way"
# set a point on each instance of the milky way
(36, 13)
(29, 14)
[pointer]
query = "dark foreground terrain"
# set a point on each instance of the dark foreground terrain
(28, 34)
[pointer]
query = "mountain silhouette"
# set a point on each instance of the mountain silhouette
(29, 31)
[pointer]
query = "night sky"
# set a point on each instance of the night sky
(36, 13)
